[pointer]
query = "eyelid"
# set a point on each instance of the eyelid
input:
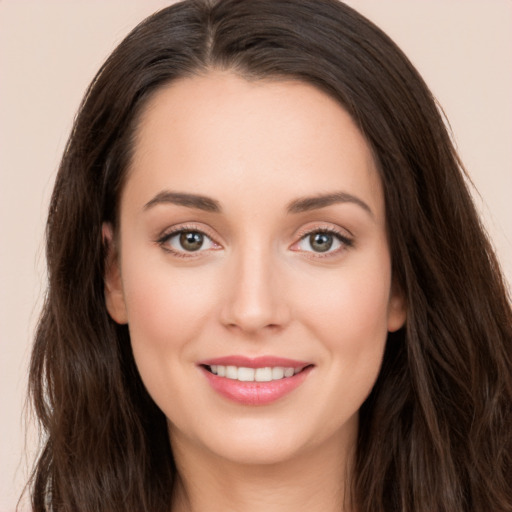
(325, 228)
(172, 231)
(346, 240)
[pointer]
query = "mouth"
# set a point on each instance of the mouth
(262, 374)
(258, 381)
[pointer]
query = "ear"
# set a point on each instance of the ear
(397, 310)
(114, 295)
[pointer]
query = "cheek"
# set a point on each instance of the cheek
(351, 304)
(348, 312)
(167, 311)
(163, 301)
(166, 308)
(345, 312)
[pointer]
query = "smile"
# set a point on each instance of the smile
(244, 374)
(258, 381)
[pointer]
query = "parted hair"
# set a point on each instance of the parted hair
(435, 432)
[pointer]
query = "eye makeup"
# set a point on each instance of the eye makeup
(191, 241)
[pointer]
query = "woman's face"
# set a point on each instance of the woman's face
(253, 267)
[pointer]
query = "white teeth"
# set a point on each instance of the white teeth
(289, 372)
(277, 373)
(263, 375)
(232, 372)
(244, 374)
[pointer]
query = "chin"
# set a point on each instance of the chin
(266, 451)
(251, 441)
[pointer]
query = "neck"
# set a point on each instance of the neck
(314, 481)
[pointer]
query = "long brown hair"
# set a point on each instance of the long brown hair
(435, 433)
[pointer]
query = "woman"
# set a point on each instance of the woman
(268, 286)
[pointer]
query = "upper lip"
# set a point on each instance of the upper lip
(255, 362)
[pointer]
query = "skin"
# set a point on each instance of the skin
(258, 288)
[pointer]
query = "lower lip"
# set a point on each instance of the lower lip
(255, 393)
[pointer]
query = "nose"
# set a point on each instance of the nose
(255, 296)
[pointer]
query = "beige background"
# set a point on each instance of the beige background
(50, 50)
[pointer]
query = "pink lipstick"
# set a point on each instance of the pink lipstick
(254, 381)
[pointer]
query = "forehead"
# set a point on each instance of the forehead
(219, 132)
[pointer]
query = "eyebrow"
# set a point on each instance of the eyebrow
(305, 204)
(183, 199)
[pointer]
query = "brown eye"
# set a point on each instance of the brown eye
(185, 242)
(191, 240)
(321, 242)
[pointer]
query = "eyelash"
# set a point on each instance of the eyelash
(164, 239)
(345, 241)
